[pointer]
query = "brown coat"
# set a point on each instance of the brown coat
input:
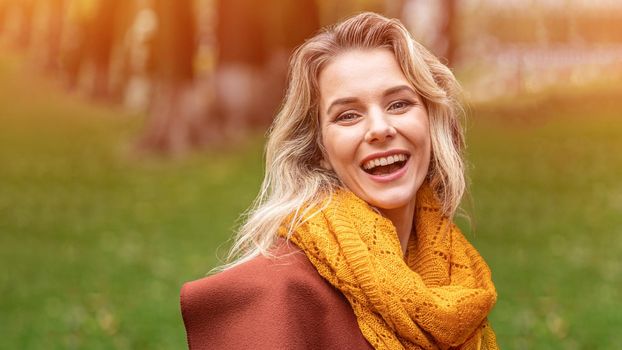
(269, 304)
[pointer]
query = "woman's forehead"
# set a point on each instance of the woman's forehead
(361, 73)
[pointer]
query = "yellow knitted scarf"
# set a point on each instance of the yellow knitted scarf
(435, 297)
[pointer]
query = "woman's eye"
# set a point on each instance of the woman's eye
(399, 105)
(346, 117)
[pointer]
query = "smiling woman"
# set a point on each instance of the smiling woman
(350, 243)
(382, 118)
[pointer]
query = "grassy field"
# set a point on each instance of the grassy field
(95, 242)
(548, 218)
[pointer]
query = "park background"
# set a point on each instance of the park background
(131, 140)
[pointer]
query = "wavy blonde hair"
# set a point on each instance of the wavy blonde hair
(294, 176)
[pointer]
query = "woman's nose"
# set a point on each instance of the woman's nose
(380, 128)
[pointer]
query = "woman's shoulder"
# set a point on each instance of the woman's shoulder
(269, 303)
(287, 265)
(264, 279)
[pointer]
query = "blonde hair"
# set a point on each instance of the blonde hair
(294, 176)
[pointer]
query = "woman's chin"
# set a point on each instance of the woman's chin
(391, 200)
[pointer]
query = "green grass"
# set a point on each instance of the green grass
(95, 242)
(548, 211)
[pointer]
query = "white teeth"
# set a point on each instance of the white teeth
(384, 161)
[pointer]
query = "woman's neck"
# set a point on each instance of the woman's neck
(402, 219)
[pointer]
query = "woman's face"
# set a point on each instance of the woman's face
(375, 128)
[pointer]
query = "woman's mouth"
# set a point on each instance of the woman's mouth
(383, 166)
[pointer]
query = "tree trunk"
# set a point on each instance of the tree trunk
(53, 35)
(432, 22)
(242, 53)
(176, 120)
(3, 16)
(394, 8)
(255, 39)
(448, 33)
(75, 49)
(101, 41)
(291, 23)
(26, 10)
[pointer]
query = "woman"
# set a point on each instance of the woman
(350, 244)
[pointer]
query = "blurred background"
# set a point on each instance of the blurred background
(131, 140)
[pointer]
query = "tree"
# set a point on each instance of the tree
(101, 35)
(432, 22)
(50, 34)
(4, 7)
(447, 45)
(176, 122)
(74, 46)
(255, 39)
(25, 9)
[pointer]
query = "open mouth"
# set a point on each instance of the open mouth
(385, 165)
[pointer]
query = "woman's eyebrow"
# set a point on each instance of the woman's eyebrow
(399, 88)
(341, 101)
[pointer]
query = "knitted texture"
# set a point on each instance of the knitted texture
(437, 296)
